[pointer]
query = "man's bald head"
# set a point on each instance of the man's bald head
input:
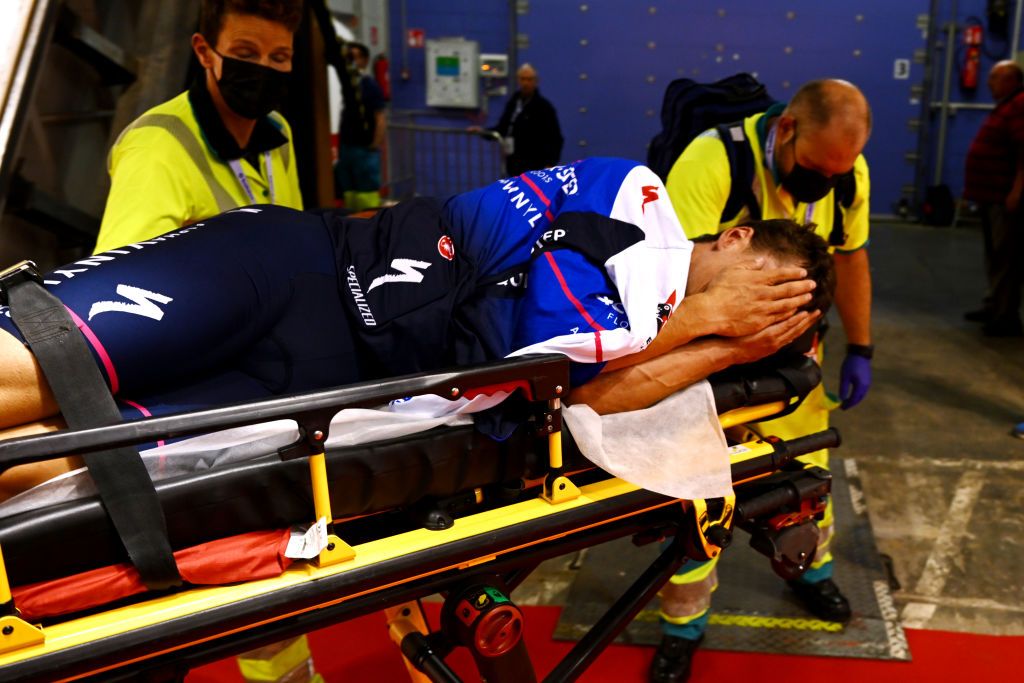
(526, 75)
(1005, 78)
(833, 118)
(833, 104)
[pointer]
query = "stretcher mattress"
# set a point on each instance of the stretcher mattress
(386, 499)
(420, 470)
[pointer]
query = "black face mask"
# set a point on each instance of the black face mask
(806, 185)
(251, 90)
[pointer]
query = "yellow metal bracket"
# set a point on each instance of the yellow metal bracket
(557, 487)
(16, 633)
(336, 550)
(402, 620)
(720, 538)
(560, 489)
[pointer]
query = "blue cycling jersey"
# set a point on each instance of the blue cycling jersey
(585, 259)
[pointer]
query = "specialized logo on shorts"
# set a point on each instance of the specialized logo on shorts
(446, 248)
(407, 272)
(142, 303)
(359, 299)
(650, 195)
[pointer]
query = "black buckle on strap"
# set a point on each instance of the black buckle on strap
(19, 272)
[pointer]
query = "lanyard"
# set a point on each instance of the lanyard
(268, 168)
(769, 152)
(515, 114)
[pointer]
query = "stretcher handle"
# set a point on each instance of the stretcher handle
(546, 374)
(802, 445)
(817, 482)
(782, 453)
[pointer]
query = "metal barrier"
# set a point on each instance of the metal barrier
(438, 161)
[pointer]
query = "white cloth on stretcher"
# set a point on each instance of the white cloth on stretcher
(675, 447)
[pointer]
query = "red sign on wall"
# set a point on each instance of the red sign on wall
(415, 37)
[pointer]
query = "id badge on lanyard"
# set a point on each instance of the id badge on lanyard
(236, 166)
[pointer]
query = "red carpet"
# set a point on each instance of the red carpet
(360, 651)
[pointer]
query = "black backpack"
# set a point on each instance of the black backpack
(690, 108)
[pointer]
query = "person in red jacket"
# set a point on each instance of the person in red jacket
(994, 179)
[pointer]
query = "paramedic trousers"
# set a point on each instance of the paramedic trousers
(686, 598)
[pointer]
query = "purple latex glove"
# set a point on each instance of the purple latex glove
(854, 380)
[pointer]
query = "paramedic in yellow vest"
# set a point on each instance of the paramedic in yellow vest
(218, 146)
(800, 150)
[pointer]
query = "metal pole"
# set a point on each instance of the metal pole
(1015, 44)
(619, 615)
(946, 86)
(921, 168)
(404, 73)
(513, 43)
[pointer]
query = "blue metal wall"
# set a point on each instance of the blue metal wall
(605, 64)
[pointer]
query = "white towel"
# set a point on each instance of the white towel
(675, 447)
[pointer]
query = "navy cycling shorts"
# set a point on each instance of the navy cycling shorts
(237, 307)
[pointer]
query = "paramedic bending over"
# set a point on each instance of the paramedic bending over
(219, 145)
(199, 318)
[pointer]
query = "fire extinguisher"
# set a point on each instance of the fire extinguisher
(381, 67)
(972, 57)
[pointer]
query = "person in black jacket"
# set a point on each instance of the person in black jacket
(529, 126)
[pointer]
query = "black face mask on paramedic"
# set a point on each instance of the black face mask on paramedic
(804, 184)
(251, 90)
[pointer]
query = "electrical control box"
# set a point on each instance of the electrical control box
(493, 66)
(453, 68)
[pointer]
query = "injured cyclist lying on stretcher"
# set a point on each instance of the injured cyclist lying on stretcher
(586, 260)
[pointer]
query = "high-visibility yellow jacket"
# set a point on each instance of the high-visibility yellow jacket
(700, 181)
(164, 174)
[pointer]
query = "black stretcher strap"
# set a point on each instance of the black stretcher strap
(120, 476)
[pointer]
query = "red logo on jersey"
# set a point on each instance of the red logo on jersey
(650, 195)
(665, 310)
(446, 248)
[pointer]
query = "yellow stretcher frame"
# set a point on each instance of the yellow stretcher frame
(21, 642)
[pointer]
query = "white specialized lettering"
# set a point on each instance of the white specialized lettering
(407, 272)
(360, 301)
(142, 303)
(516, 281)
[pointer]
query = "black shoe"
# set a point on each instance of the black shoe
(823, 600)
(979, 316)
(671, 663)
(1000, 328)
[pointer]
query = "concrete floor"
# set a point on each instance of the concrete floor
(943, 480)
(942, 477)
